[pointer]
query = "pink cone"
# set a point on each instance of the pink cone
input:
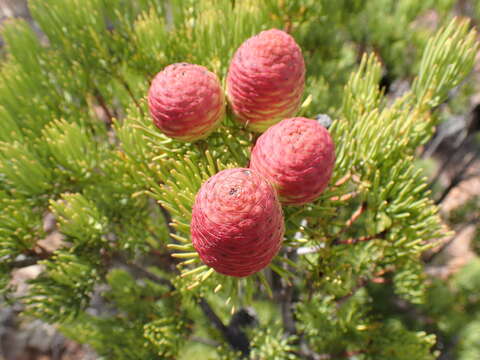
(265, 80)
(237, 222)
(186, 101)
(297, 156)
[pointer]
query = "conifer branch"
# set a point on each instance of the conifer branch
(28, 261)
(101, 101)
(361, 283)
(127, 87)
(343, 180)
(458, 149)
(354, 217)
(338, 241)
(360, 210)
(212, 316)
(434, 254)
(38, 252)
(352, 241)
(235, 337)
(168, 219)
(288, 317)
(44, 253)
(286, 309)
(458, 178)
(345, 197)
(91, 184)
(286, 297)
(139, 272)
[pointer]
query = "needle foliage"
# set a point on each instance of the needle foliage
(76, 141)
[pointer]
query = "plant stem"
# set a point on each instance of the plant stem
(458, 178)
(130, 92)
(235, 337)
(101, 101)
